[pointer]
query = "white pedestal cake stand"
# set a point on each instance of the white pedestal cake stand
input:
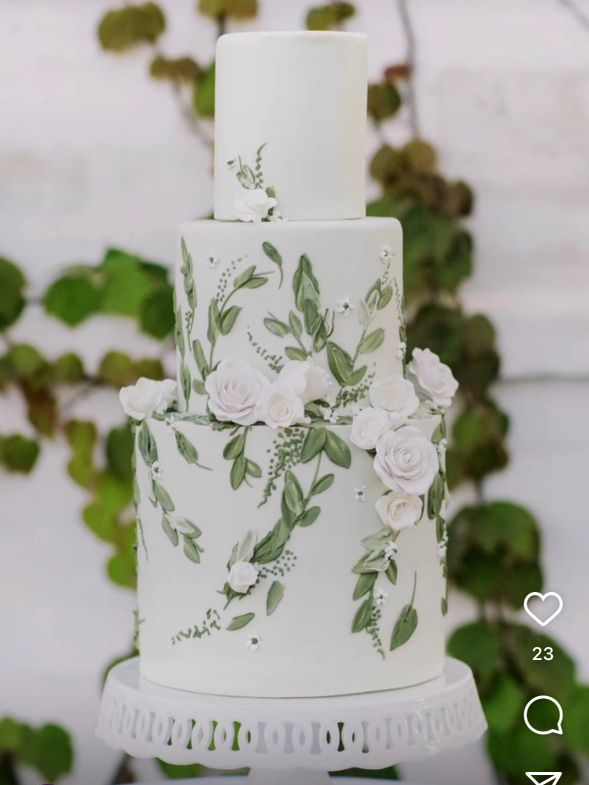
(297, 740)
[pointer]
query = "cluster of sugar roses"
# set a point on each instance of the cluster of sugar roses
(404, 458)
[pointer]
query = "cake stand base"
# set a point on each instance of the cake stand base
(297, 740)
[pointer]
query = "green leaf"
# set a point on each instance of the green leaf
(372, 342)
(72, 298)
(18, 453)
(101, 521)
(229, 318)
(238, 471)
(305, 285)
(244, 277)
(363, 615)
(293, 497)
(517, 750)
(275, 595)
(170, 531)
(365, 584)
(404, 627)
(576, 712)
(12, 300)
(186, 449)
(323, 484)
(337, 450)
(294, 353)
(126, 27)
(329, 17)
(175, 69)
(191, 550)
(119, 451)
(255, 282)
(204, 93)
(147, 444)
(554, 677)
(214, 327)
(274, 256)
(385, 298)
(391, 572)
(503, 704)
(309, 517)
(253, 469)
(238, 9)
(384, 101)
(276, 327)
(49, 750)
(199, 358)
(234, 447)
(314, 442)
(116, 369)
(478, 645)
(295, 324)
(435, 496)
(185, 382)
(340, 363)
(156, 315)
(68, 368)
(163, 497)
(238, 622)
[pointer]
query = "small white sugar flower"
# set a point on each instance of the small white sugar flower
(329, 415)
(360, 493)
(386, 254)
(380, 597)
(213, 261)
(401, 350)
(391, 550)
(277, 215)
(253, 642)
(344, 306)
(156, 470)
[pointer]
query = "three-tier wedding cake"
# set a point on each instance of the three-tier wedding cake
(290, 489)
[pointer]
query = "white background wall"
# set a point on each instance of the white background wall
(93, 153)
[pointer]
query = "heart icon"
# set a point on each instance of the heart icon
(545, 603)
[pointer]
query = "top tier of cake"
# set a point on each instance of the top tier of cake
(291, 119)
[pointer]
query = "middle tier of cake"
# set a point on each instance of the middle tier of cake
(268, 292)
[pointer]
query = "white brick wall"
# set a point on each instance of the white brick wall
(93, 153)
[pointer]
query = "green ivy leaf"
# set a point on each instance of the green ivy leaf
(18, 453)
(239, 622)
(329, 17)
(275, 595)
(503, 703)
(156, 316)
(68, 368)
(404, 627)
(337, 450)
(175, 69)
(12, 300)
(478, 645)
(72, 298)
(513, 752)
(124, 28)
(116, 369)
(555, 677)
(238, 9)
(576, 711)
(101, 521)
(384, 101)
(204, 93)
(119, 450)
(49, 750)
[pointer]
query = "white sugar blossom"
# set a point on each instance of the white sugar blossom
(386, 254)
(360, 493)
(213, 261)
(147, 397)
(368, 426)
(156, 470)
(380, 597)
(171, 422)
(253, 204)
(394, 395)
(278, 215)
(280, 406)
(399, 510)
(329, 415)
(234, 391)
(242, 576)
(344, 306)
(433, 379)
(309, 381)
(401, 350)
(406, 460)
(253, 642)
(391, 549)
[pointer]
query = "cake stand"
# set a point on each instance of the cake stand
(296, 740)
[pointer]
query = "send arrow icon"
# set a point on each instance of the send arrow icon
(544, 777)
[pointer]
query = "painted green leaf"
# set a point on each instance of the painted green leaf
(340, 363)
(357, 376)
(186, 382)
(240, 279)
(199, 358)
(163, 497)
(274, 256)
(295, 324)
(293, 497)
(255, 282)
(295, 353)
(365, 584)
(385, 298)
(404, 627)
(276, 327)
(235, 447)
(311, 317)
(313, 444)
(253, 469)
(435, 496)
(179, 332)
(337, 450)
(214, 326)
(191, 550)
(310, 516)
(372, 342)
(323, 484)
(186, 449)
(147, 444)
(229, 318)
(363, 615)
(199, 387)
(275, 595)
(238, 470)
(391, 572)
(169, 530)
(239, 622)
(305, 285)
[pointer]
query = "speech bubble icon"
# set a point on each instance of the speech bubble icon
(556, 727)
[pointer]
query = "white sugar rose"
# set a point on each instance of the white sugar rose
(394, 395)
(368, 426)
(234, 391)
(310, 382)
(147, 397)
(253, 204)
(433, 379)
(242, 576)
(399, 510)
(280, 406)
(406, 460)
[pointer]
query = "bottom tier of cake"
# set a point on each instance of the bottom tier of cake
(265, 570)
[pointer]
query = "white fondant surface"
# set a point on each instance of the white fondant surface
(303, 95)
(306, 646)
(346, 261)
